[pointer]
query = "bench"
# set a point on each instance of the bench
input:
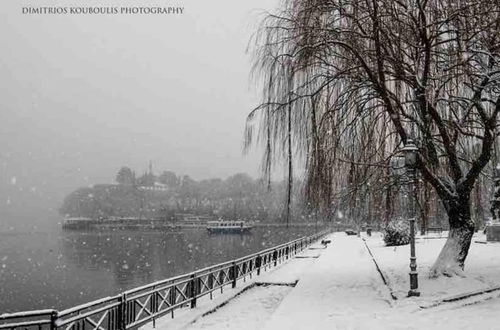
(351, 232)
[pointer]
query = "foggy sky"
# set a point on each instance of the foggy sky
(84, 95)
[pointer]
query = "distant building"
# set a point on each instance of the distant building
(157, 186)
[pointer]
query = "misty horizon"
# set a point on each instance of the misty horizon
(84, 95)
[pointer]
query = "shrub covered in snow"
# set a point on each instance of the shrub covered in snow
(397, 232)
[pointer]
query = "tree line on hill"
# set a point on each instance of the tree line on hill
(169, 196)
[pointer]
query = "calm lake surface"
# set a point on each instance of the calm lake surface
(55, 268)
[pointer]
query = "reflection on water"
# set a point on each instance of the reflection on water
(65, 268)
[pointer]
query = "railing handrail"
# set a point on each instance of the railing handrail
(41, 312)
(160, 297)
(213, 267)
(88, 305)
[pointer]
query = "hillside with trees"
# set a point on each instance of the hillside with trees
(166, 195)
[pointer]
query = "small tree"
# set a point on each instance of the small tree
(397, 232)
(125, 176)
(169, 178)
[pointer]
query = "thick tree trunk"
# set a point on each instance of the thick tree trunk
(451, 260)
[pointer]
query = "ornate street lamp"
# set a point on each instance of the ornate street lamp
(410, 153)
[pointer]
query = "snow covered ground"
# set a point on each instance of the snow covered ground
(249, 310)
(340, 288)
(482, 268)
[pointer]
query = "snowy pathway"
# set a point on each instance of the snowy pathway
(340, 288)
(253, 307)
(249, 310)
(341, 291)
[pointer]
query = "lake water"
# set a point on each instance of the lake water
(58, 269)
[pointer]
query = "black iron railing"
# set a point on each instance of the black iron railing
(138, 306)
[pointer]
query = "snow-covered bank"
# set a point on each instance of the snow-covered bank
(343, 290)
(482, 267)
(340, 288)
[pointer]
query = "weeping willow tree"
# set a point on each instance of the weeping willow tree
(348, 82)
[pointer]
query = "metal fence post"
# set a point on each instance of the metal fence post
(192, 286)
(172, 297)
(211, 283)
(258, 262)
(53, 319)
(154, 305)
(122, 311)
(235, 274)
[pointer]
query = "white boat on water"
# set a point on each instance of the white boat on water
(228, 227)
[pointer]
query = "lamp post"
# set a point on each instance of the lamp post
(410, 154)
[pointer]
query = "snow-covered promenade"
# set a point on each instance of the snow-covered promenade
(340, 288)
